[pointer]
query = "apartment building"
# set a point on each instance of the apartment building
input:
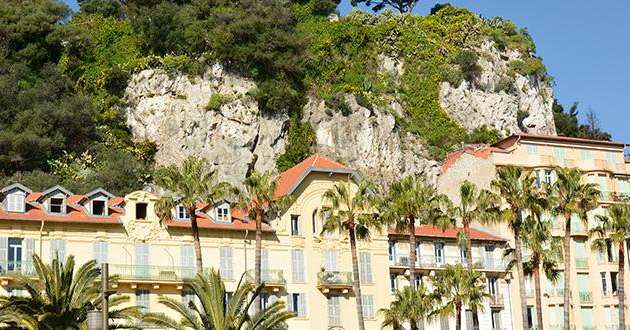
(593, 274)
(436, 248)
(153, 256)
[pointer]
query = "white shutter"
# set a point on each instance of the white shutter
(290, 302)
(187, 261)
(264, 260)
(297, 262)
(100, 251)
(27, 256)
(368, 306)
(58, 249)
(226, 262)
(330, 262)
(302, 305)
(142, 260)
(4, 253)
(365, 268)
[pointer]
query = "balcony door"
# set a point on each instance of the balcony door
(439, 253)
(14, 254)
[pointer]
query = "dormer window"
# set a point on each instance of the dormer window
(99, 207)
(141, 211)
(56, 205)
(16, 202)
(223, 213)
(182, 213)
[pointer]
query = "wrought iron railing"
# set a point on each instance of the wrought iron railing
(8, 267)
(146, 272)
(334, 278)
(586, 297)
(269, 276)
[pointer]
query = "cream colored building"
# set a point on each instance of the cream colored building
(593, 274)
(155, 258)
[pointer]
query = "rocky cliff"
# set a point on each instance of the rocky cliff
(182, 116)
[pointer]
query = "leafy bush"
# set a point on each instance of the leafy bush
(217, 100)
(483, 134)
(529, 66)
(467, 61)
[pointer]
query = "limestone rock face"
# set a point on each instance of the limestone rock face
(172, 112)
(368, 140)
(495, 97)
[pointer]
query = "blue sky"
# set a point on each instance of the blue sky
(584, 44)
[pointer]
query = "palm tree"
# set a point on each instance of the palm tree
(59, 298)
(349, 212)
(456, 287)
(262, 205)
(411, 305)
(544, 251)
(194, 183)
(615, 229)
(571, 196)
(215, 311)
(474, 204)
(518, 190)
(410, 200)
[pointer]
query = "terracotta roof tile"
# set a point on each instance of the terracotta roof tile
(292, 177)
(451, 233)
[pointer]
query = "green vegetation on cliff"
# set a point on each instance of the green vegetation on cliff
(63, 78)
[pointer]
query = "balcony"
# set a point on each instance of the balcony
(490, 264)
(581, 263)
(556, 292)
(8, 268)
(614, 197)
(272, 278)
(328, 281)
(586, 297)
(153, 274)
(400, 261)
(496, 301)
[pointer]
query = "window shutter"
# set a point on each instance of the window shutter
(226, 262)
(62, 250)
(4, 252)
(27, 256)
(58, 249)
(331, 260)
(297, 262)
(264, 260)
(365, 267)
(302, 305)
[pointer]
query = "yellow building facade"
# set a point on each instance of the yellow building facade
(152, 257)
(593, 274)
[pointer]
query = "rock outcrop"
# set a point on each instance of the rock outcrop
(496, 96)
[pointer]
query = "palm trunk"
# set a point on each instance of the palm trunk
(257, 257)
(521, 276)
(620, 288)
(412, 250)
(469, 259)
(458, 317)
(567, 270)
(196, 242)
(355, 274)
(539, 317)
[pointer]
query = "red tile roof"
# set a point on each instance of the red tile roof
(477, 150)
(451, 233)
(290, 179)
(510, 140)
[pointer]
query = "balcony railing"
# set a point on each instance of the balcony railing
(611, 196)
(586, 297)
(271, 277)
(557, 292)
(17, 267)
(612, 327)
(152, 273)
(333, 278)
(581, 263)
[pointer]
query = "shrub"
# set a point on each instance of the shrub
(217, 100)
(529, 66)
(483, 134)
(300, 143)
(467, 61)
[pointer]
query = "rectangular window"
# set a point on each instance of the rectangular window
(393, 283)
(188, 297)
(493, 286)
(613, 282)
(142, 299)
(531, 317)
(496, 319)
(586, 155)
(334, 311)
(297, 303)
(472, 320)
(15, 254)
(392, 251)
(439, 253)
(587, 317)
(295, 225)
(548, 177)
(223, 214)
(226, 262)
(365, 267)
(367, 305)
(297, 266)
(559, 153)
(141, 210)
(314, 222)
(182, 213)
(330, 262)
(58, 249)
(98, 208)
(100, 251)
(604, 283)
(16, 202)
(610, 156)
(532, 150)
(56, 205)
